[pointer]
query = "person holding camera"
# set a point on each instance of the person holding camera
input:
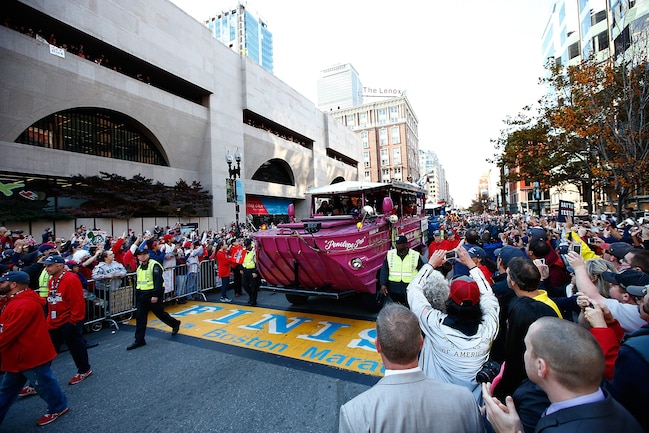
(456, 342)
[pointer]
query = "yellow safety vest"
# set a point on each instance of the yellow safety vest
(249, 260)
(43, 279)
(145, 276)
(402, 270)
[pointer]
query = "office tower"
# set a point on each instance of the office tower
(245, 33)
(339, 87)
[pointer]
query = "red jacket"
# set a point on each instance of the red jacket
(24, 341)
(65, 302)
(609, 340)
(223, 261)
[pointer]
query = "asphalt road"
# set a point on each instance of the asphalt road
(185, 384)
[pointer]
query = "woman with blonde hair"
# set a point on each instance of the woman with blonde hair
(595, 268)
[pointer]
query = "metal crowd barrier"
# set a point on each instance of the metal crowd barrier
(113, 306)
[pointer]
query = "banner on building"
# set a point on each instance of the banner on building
(256, 205)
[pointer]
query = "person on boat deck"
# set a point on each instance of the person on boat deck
(324, 208)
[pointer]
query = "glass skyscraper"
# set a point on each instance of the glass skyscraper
(244, 33)
(339, 87)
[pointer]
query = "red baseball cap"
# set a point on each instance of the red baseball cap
(464, 289)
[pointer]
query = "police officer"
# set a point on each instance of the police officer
(149, 294)
(251, 280)
(400, 266)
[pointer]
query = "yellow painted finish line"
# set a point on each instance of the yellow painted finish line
(336, 342)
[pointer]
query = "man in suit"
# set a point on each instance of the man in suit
(566, 362)
(405, 400)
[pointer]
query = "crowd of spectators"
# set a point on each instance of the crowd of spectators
(105, 259)
(85, 51)
(544, 321)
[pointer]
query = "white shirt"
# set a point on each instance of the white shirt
(449, 355)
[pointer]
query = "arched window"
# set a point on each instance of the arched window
(96, 131)
(275, 171)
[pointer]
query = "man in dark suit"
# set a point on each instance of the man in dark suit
(566, 362)
(405, 400)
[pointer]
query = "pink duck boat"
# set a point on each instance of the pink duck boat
(338, 251)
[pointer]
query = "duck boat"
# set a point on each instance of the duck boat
(338, 250)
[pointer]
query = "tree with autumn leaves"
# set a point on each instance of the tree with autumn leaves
(591, 130)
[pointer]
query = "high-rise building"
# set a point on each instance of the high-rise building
(389, 133)
(245, 33)
(437, 186)
(339, 87)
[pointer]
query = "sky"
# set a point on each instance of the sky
(464, 69)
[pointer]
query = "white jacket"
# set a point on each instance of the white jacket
(448, 355)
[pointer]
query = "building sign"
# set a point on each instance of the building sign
(378, 91)
(566, 209)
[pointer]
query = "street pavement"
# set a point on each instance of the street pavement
(187, 384)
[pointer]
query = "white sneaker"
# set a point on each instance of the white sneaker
(226, 300)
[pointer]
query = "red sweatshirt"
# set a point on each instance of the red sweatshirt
(65, 303)
(24, 340)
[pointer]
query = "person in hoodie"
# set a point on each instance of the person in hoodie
(26, 350)
(457, 342)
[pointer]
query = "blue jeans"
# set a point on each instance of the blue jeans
(225, 282)
(42, 379)
(192, 284)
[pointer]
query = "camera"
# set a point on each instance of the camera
(488, 372)
(576, 248)
(450, 255)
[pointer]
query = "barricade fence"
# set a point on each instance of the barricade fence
(110, 303)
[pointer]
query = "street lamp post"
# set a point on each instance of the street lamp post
(234, 173)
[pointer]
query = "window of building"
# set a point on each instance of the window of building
(362, 119)
(396, 155)
(383, 137)
(366, 156)
(394, 114)
(365, 139)
(350, 120)
(385, 175)
(366, 164)
(385, 157)
(573, 50)
(383, 116)
(396, 136)
(368, 175)
(96, 131)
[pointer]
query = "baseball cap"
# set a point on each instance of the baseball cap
(437, 233)
(19, 277)
(141, 251)
(537, 233)
(477, 252)
(247, 242)
(464, 289)
(619, 249)
(626, 278)
(637, 290)
(508, 252)
(51, 260)
(401, 240)
(46, 246)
